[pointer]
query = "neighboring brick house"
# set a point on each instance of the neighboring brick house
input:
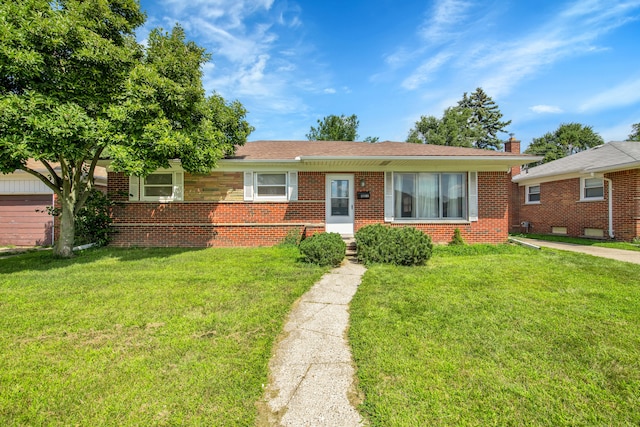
(593, 193)
(271, 189)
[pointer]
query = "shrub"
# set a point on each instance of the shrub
(93, 221)
(400, 246)
(323, 249)
(293, 238)
(457, 239)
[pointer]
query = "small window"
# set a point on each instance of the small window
(271, 185)
(533, 194)
(161, 186)
(158, 185)
(592, 189)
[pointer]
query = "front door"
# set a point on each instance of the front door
(339, 217)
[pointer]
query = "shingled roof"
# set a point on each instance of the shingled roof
(609, 157)
(295, 150)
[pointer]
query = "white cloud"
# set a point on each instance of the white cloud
(329, 90)
(622, 95)
(546, 109)
(572, 32)
(446, 19)
(425, 71)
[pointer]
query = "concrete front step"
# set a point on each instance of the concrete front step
(351, 245)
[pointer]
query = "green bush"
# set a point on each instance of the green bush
(457, 239)
(323, 249)
(389, 245)
(93, 221)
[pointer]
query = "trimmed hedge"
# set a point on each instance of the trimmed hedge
(323, 249)
(389, 245)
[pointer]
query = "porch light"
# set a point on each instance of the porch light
(362, 183)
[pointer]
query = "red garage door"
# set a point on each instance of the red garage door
(24, 220)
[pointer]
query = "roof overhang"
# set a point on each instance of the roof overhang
(377, 163)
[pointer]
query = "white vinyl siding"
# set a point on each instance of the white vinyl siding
(24, 186)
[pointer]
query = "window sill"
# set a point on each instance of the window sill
(595, 199)
(532, 203)
(429, 221)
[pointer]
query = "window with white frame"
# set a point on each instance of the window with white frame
(533, 194)
(429, 196)
(271, 185)
(592, 189)
(160, 186)
(266, 186)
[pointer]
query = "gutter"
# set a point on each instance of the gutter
(611, 234)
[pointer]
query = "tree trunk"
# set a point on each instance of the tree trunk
(64, 245)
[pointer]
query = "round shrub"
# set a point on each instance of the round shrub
(388, 245)
(323, 249)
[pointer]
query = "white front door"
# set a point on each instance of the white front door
(339, 216)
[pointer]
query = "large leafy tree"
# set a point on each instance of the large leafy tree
(568, 139)
(76, 86)
(486, 115)
(453, 129)
(635, 132)
(335, 128)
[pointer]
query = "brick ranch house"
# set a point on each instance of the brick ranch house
(594, 193)
(271, 189)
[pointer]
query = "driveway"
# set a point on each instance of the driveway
(617, 254)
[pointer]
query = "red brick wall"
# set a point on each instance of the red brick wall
(560, 206)
(227, 223)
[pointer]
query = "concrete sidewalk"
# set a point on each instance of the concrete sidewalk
(617, 254)
(311, 372)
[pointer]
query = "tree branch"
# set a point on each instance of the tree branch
(56, 189)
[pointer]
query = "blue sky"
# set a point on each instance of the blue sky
(291, 62)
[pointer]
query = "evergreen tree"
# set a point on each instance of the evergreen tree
(635, 134)
(453, 129)
(486, 115)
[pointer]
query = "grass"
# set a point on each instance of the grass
(499, 335)
(142, 336)
(580, 241)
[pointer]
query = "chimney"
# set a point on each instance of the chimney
(513, 146)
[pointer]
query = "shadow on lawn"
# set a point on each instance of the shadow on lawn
(44, 260)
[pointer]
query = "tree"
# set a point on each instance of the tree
(75, 85)
(486, 115)
(452, 129)
(568, 139)
(334, 128)
(635, 133)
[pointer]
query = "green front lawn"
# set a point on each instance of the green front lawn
(142, 336)
(629, 246)
(499, 335)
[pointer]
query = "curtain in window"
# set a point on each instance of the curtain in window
(405, 196)
(428, 189)
(452, 195)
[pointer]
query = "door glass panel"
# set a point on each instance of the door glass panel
(340, 197)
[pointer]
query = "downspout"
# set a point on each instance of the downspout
(611, 235)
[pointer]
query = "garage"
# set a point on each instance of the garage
(24, 220)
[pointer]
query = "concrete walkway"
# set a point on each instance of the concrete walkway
(311, 372)
(617, 254)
